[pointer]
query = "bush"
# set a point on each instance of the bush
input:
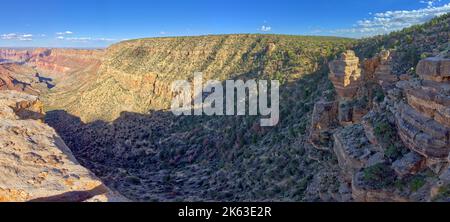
(379, 176)
(384, 131)
(416, 183)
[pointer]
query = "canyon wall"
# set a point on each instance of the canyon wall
(53, 61)
(136, 75)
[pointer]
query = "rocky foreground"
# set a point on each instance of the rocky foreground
(35, 163)
(394, 147)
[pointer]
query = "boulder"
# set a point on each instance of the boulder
(431, 101)
(411, 163)
(435, 69)
(353, 149)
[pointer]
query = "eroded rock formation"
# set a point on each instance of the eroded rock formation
(12, 78)
(424, 119)
(345, 73)
(53, 61)
(387, 154)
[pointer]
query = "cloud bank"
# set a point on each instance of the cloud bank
(19, 37)
(386, 22)
(265, 28)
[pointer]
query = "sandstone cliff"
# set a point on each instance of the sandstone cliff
(35, 163)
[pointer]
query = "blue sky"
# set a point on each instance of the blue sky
(99, 23)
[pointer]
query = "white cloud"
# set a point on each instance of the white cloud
(265, 28)
(15, 36)
(386, 22)
(64, 33)
(430, 3)
(105, 39)
(85, 39)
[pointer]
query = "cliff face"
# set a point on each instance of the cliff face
(137, 75)
(19, 78)
(53, 61)
(401, 145)
(35, 163)
(16, 55)
(64, 61)
(424, 119)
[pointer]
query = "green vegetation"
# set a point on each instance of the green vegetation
(417, 182)
(379, 176)
(378, 95)
(384, 131)
(410, 43)
(386, 134)
(229, 158)
(444, 194)
(225, 158)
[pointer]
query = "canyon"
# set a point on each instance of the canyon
(361, 120)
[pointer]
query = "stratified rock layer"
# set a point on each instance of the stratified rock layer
(424, 120)
(345, 74)
(434, 69)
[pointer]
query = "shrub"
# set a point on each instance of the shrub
(379, 176)
(416, 183)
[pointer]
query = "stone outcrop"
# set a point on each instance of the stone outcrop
(363, 193)
(422, 134)
(323, 119)
(410, 163)
(424, 120)
(345, 73)
(383, 72)
(353, 150)
(372, 147)
(435, 69)
(35, 163)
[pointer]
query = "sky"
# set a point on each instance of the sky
(99, 23)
